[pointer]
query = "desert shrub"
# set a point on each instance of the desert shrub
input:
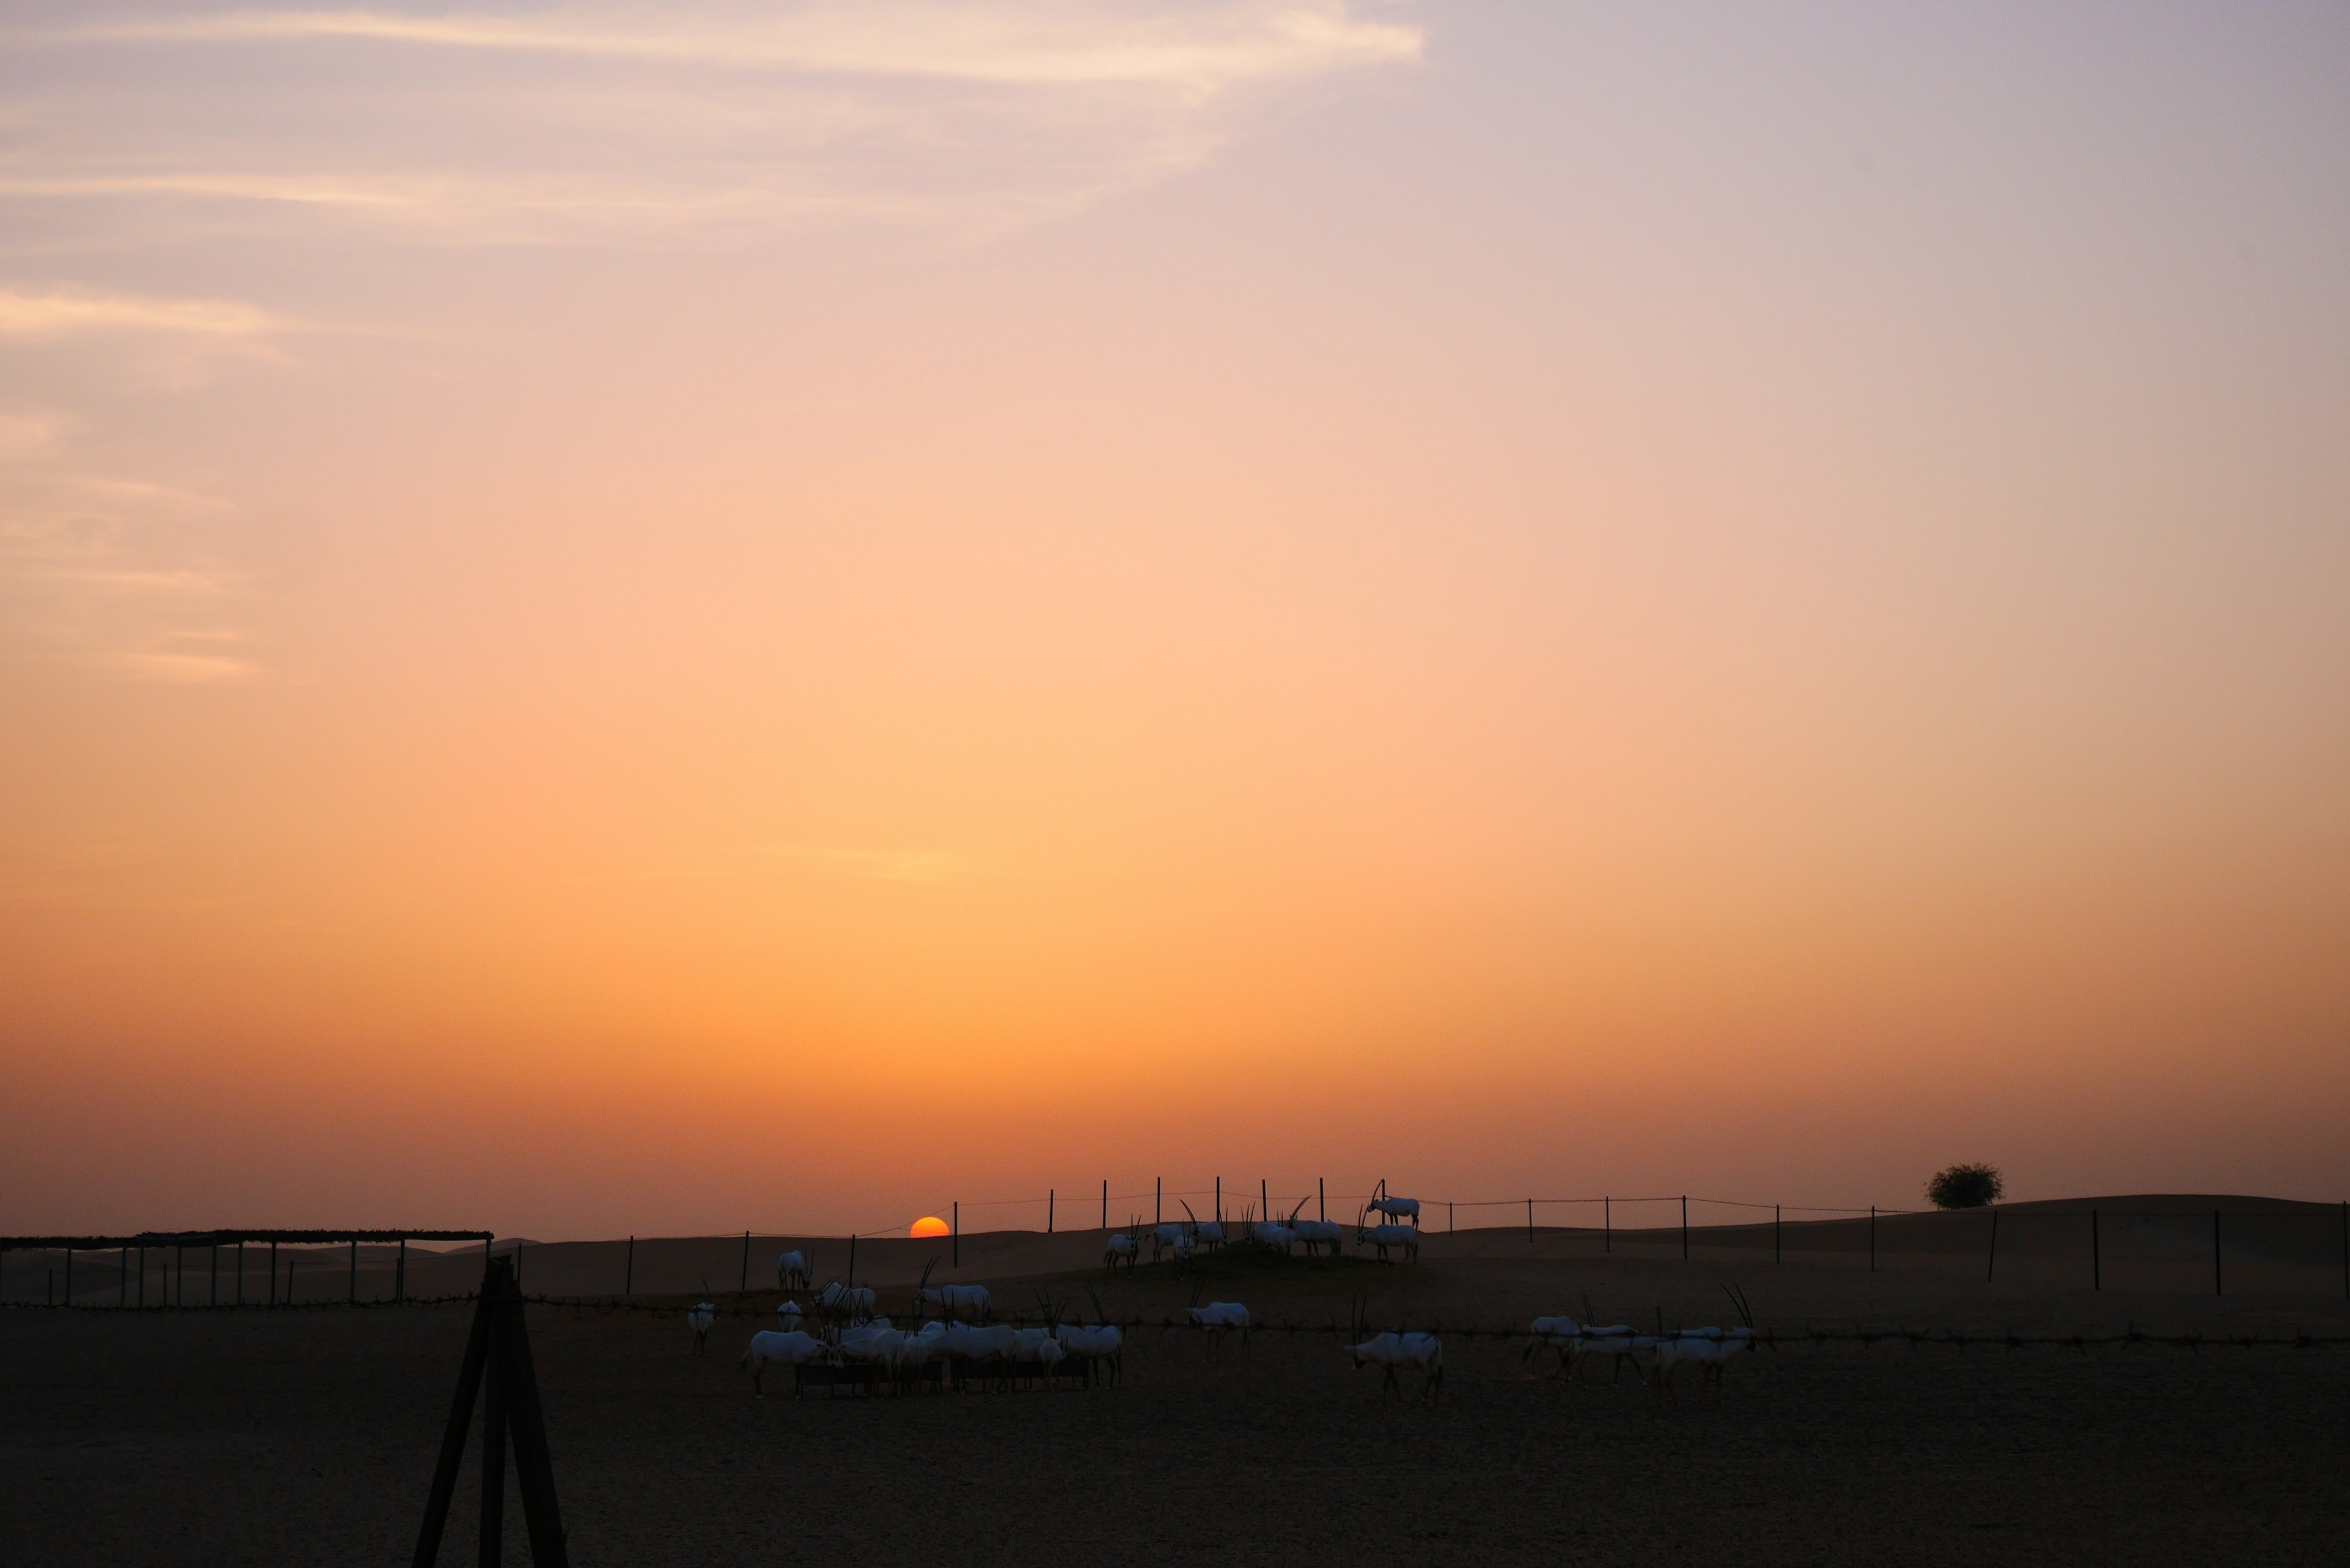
(1965, 1186)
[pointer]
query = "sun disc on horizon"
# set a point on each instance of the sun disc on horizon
(929, 1225)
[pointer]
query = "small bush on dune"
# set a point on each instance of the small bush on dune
(1965, 1186)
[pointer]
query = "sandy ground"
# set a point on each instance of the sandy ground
(296, 1438)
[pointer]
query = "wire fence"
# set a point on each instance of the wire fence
(2277, 1249)
(1331, 1328)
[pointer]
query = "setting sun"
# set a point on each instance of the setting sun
(929, 1225)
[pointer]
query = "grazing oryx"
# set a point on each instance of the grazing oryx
(1397, 1207)
(1617, 1344)
(1561, 1334)
(792, 1272)
(1570, 1339)
(1706, 1355)
(1382, 1237)
(1163, 1239)
(769, 1348)
(1394, 1352)
(1705, 1351)
(789, 1314)
(1272, 1234)
(1105, 1345)
(1208, 1233)
(961, 1304)
(966, 1342)
(1315, 1234)
(701, 1317)
(964, 1304)
(1120, 1250)
(1220, 1318)
(839, 1300)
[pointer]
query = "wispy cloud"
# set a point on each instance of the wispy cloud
(1201, 48)
(500, 126)
(60, 314)
(111, 571)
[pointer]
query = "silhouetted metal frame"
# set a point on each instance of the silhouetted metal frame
(498, 1364)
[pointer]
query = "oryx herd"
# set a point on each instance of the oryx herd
(1668, 1359)
(961, 1339)
(1191, 1237)
(962, 1345)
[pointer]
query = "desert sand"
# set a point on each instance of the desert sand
(308, 1437)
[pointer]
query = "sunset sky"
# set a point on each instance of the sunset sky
(665, 617)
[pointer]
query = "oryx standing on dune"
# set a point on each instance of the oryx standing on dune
(1382, 1237)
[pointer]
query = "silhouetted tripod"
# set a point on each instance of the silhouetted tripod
(497, 1359)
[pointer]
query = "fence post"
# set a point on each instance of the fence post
(1048, 1211)
(955, 1236)
(1991, 1264)
(1607, 1224)
(741, 1288)
(1105, 1202)
(1322, 1197)
(628, 1272)
(2219, 1281)
(1158, 1200)
(2097, 1260)
(1684, 1227)
(852, 1259)
(1220, 1200)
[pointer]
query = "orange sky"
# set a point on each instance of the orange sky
(788, 615)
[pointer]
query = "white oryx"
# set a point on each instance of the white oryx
(1705, 1351)
(1317, 1233)
(1272, 1234)
(1382, 1237)
(1220, 1318)
(1121, 1249)
(958, 1304)
(1570, 1339)
(1619, 1350)
(875, 1342)
(1394, 1352)
(966, 1342)
(701, 1316)
(1163, 1239)
(853, 1303)
(792, 1272)
(1397, 1207)
(1105, 1345)
(769, 1348)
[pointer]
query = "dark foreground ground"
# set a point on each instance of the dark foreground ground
(307, 1438)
